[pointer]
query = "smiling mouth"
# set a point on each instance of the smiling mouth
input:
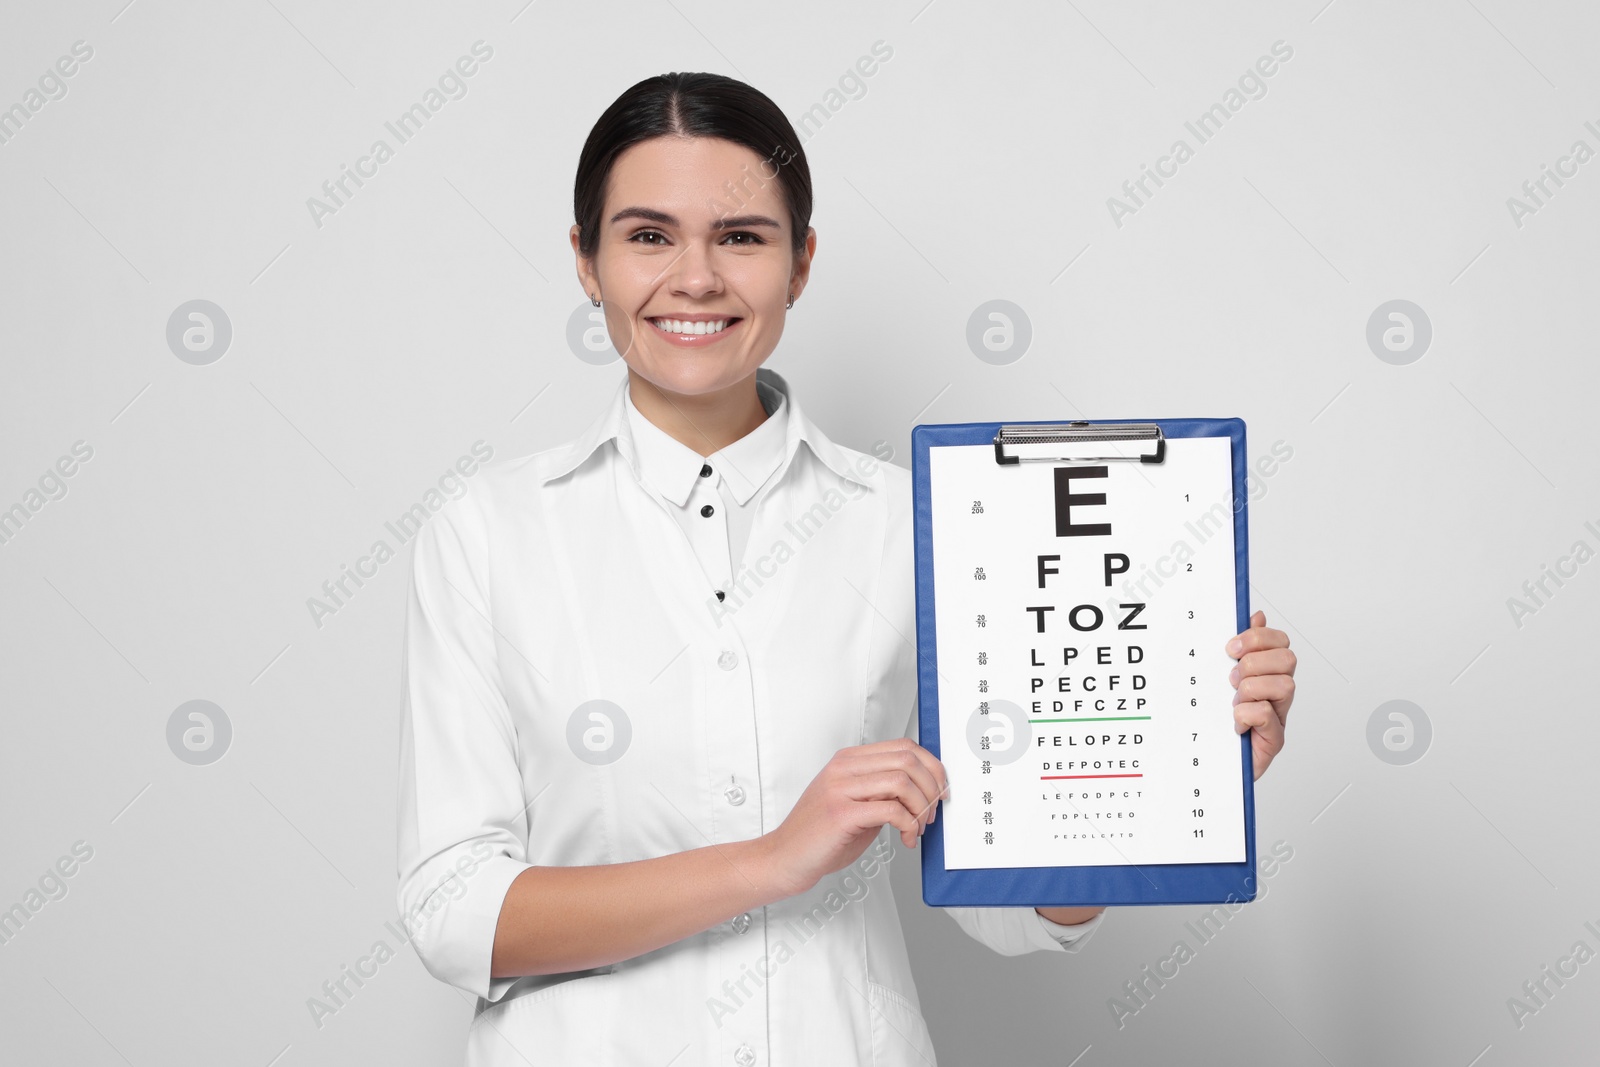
(692, 329)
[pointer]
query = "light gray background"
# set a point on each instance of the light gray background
(430, 312)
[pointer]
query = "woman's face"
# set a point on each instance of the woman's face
(694, 230)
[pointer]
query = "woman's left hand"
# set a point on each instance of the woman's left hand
(1264, 679)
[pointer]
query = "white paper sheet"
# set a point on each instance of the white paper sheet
(1099, 740)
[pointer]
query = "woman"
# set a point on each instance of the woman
(659, 680)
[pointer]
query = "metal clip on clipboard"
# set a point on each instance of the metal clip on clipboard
(1041, 433)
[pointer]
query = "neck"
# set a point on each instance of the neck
(704, 422)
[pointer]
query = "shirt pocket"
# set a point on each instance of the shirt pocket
(900, 1036)
(527, 1015)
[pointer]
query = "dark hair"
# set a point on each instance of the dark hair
(691, 105)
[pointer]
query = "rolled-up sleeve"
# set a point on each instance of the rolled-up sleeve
(462, 821)
(1013, 931)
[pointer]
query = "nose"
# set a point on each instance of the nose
(693, 272)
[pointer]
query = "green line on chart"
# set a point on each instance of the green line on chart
(1103, 718)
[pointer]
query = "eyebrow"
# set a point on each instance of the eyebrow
(652, 215)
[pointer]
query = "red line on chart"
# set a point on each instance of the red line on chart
(1052, 777)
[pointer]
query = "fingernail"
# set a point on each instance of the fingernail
(1233, 676)
(1235, 647)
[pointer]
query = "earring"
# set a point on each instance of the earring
(595, 302)
(790, 303)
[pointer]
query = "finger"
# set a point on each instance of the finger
(937, 783)
(1252, 714)
(911, 759)
(1255, 639)
(892, 784)
(1258, 619)
(924, 769)
(908, 759)
(933, 765)
(1260, 717)
(1267, 661)
(941, 780)
(1277, 687)
(877, 813)
(1269, 691)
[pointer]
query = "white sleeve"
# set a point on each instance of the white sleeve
(1017, 930)
(462, 815)
(1014, 931)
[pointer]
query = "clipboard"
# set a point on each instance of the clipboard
(1147, 446)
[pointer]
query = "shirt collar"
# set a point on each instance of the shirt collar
(614, 423)
(671, 467)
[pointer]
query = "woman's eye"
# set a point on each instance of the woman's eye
(644, 237)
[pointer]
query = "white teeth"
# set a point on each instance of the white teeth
(691, 328)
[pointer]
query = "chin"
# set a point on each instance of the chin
(685, 381)
(689, 375)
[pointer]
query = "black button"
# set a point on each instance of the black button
(707, 511)
(721, 595)
(705, 470)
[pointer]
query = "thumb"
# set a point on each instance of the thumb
(1258, 619)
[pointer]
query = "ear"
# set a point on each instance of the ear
(585, 266)
(802, 263)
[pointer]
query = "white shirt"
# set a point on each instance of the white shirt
(713, 497)
(561, 579)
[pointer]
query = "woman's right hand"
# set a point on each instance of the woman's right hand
(859, 790)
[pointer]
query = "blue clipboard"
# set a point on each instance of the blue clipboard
(1174, 883)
